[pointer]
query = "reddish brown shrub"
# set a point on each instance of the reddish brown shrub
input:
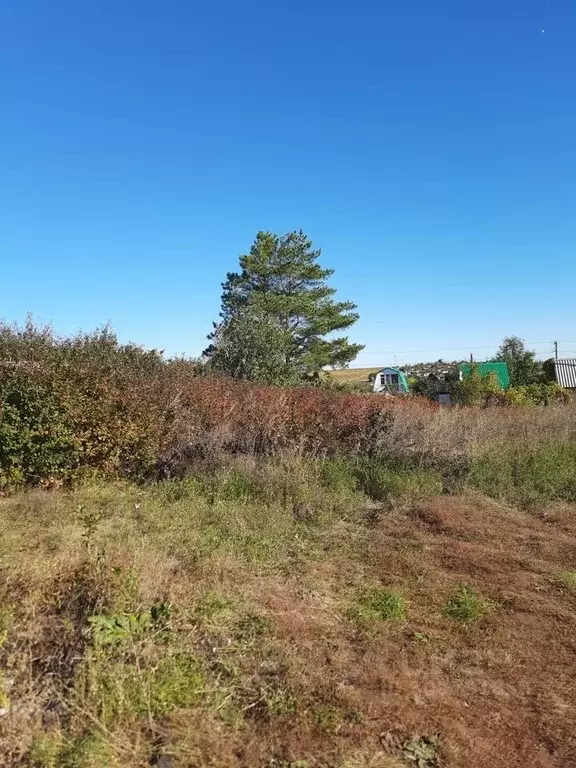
(129, 420)
(92, 405)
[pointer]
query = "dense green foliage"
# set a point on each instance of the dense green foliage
(522, 364)
(531, 382)
(36, 439)
(252, 346)
(475, 389)
(546, 393)
(278, 314)
(75, 405)
(37, 347)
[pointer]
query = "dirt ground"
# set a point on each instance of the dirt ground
(501, 692)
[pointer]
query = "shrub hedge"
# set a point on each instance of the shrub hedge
(92, 406)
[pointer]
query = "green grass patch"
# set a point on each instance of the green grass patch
(328, 718)
(381, 480)
(212, 605)
(566, 579)
(90, 750)
(124, 690)
(338, 474)
(116, 629)
(377, 603)
(279, 702)
(253, 626)
(240, 485)
(45, 751)
(466, 606)
(397, 484)
(526, 472)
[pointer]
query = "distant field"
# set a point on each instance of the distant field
(352, 374)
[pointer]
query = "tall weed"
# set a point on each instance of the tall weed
(526, 472)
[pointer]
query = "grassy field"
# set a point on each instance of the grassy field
(348, 375)
(289, 613)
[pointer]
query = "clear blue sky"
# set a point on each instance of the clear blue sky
(429, 149)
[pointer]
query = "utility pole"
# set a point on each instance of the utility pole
(556, 350)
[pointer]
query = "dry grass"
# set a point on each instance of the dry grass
(451, 432)
(228, 631)
(348, 375)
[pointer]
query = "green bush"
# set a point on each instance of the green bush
(526, 472)
(475, 389)
(537, 394)
(36, 438)
(377, 603)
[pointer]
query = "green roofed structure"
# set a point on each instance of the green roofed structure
(391, 380)
(500, 369)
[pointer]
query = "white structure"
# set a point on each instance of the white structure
(566, 373)
(391, 380)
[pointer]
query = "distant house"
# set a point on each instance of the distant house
(390, 380)
(565, 371)
(484, 369)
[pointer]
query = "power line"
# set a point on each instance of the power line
(453, 349)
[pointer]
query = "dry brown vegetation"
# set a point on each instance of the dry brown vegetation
(347, 375)
(349, 380)
(264, 617)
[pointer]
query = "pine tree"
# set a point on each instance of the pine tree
(282, 286)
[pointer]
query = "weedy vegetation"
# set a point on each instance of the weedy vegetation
(566, 579)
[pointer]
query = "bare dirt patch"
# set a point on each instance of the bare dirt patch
(501, 692)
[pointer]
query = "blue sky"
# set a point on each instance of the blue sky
(428, 148)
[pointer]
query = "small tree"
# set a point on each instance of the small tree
(522, 364)
(252, 347)
(281, 285)
(549, 369)
(476, 389)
